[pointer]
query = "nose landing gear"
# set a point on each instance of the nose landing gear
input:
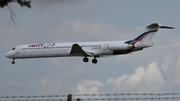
(13, 62)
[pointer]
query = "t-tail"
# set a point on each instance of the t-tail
(143, 40)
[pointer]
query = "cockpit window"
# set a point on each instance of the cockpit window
(13, 48)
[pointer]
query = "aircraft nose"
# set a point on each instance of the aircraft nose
(7, 54)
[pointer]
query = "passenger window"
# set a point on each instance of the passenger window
(13, 48)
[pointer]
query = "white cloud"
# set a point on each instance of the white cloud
(118, 80)
(89, 87)
(143, 80)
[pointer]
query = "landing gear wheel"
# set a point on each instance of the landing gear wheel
(13, 62)
(85, 59)
(94, 61)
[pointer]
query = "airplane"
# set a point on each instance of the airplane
(86, 49)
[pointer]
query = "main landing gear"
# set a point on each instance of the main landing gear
(94, 61)
(13, 62)
(85, 59)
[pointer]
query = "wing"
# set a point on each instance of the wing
(78, 51)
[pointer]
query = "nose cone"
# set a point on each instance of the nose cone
(7, 54)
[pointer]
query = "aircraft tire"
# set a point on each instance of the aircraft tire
(94, 61)
(13, 62)
(85, 59)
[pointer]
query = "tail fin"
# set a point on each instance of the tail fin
(150, 32)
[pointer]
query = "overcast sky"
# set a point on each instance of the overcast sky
(152, 70)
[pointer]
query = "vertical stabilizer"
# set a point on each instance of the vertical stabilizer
(149, 32)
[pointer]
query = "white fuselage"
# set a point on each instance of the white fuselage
(63, 49)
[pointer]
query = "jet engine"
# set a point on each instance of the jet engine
(116, 46)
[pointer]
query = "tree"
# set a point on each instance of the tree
(22, 3)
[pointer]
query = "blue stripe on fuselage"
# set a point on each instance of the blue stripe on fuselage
(128, 42)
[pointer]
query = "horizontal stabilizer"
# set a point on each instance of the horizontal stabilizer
(155, 25)
(166, 27)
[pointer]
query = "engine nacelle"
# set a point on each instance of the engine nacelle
(143, 44)
(116, 46)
